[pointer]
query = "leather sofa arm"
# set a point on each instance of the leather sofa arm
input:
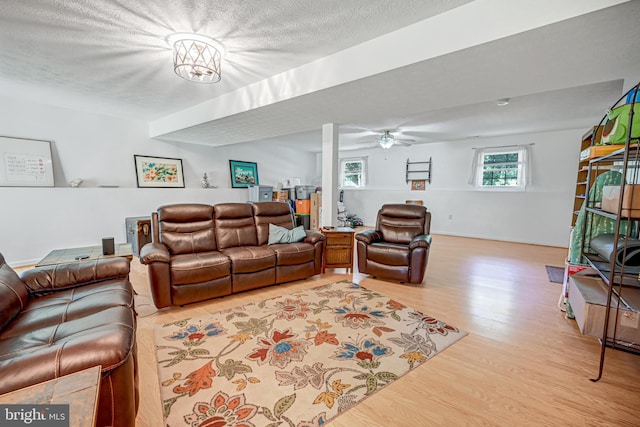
(63, 276)
(314, 237)
(369, 236)
(154, 252)
(421, 241)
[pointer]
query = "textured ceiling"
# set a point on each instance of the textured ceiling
(112, 57)
(113, 54)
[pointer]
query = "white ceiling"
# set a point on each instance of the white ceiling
(112, 57)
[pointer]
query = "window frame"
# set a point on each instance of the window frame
(363, 174)
(521, 168)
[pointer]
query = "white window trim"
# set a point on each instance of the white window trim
(365, 172)
(524, 168)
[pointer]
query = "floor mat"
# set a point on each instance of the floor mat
(555, 274)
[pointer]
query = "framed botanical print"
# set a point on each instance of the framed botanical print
(159, 172)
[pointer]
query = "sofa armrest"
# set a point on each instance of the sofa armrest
(313, 237)
(369, 236)
(62, 276)
(421, 241)
(154, 252)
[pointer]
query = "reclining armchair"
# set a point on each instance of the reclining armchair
(398, 248)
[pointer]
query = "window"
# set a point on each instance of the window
(353, 172)
(500, 168)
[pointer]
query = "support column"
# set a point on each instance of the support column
(330, 182)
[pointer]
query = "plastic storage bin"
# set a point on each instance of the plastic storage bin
(304, 191)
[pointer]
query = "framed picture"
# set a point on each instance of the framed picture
(418, 184)
(158, 172)
(243, 174)
(25, 162)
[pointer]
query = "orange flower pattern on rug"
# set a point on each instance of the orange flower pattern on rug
(297, 360)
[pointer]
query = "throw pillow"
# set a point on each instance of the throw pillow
(279, 234)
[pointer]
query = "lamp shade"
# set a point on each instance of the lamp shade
(196, 58)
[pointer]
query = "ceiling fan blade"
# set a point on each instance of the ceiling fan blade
(401, 142)
(405, 140)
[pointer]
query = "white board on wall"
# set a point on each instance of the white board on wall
(25, 162)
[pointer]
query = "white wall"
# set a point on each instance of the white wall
(100, 149)
(539, 215)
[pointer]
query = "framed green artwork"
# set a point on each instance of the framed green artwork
(243, 174)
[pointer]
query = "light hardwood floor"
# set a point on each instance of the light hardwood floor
(523, 363)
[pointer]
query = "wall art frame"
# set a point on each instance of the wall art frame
(418, 184)
(243, 174)
(25, 162)
(158, 172)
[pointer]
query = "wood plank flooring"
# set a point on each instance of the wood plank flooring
(523, 363)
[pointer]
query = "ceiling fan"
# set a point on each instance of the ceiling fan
(386, 140)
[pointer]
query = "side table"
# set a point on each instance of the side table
(338, 249)
(79, 390)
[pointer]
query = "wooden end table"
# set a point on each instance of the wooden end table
(64, 256)
(338, 248)
(79, 390)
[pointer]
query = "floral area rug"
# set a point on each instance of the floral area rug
(296, 360)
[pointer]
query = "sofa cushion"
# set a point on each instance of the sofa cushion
(294, 253)
(249, 259)
(266, 213)
(401, 223)
(57, 335)
(187, 228)
(199, 267)
(389, 254)
(279, 234)
(14, 294)
(60, 307)
(234, 225)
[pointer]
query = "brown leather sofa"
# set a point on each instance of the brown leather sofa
(398, 248)
(58, 320)
(200, 251)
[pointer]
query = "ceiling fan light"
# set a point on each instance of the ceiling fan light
(386, 143)
(386, 140)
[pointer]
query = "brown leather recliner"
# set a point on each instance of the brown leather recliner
(398, 248)
(57, 320)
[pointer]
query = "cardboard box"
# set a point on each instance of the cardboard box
(588, 298)
(303, 207)
(281, 196)
(316, 205)
(599, 151)
(630, 200)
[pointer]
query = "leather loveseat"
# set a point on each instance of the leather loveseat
(62, 319)
(398, 248)
(201, 251)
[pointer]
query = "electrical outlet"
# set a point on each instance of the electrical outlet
(629, 319)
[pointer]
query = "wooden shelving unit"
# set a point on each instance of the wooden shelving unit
(588, 139)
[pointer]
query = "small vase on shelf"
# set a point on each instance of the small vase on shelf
(205, 181)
